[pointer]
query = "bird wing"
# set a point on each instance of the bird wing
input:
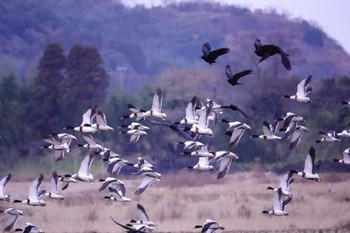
(88, 115)
(236, 136)
(34, 188)
(50, 139)
(228, 72)
(11, 221)
(295, 139)
(86, 164)
(114, 167)
(157, 101)
(309, 161)
(123, 226)
(218, 52)
(3, 183)
(224, 167)
(67, 138)
(302, 86)
(142, 213)
(203, 118)
(346, 156)
(239, 75)
(206, 49)
(190, 109)
(267, 129)
(54, 182)
(204, 161)
(134, 109)
(100, 117)
(277, 204)
(146, 182)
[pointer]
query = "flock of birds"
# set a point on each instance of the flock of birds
(194, 129)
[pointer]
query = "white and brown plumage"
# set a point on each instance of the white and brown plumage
(310, 168)
(35, 194)
(278, 204)
(54, 191)
(3, 183)
(150, 178)
(60, 147)
(210, 226)
(101, 122)
(86, 124)
(11, 221)
(346, 157)
(155, 111)
(303, 89)
(269, 131)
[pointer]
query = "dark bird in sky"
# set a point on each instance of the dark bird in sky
(265, 51)
(210, 56)
(233, 79)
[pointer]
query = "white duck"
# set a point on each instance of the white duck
(303, 89)
(328, 137)
(86, 124)
(278, 205)
(202, 127)
(269, 131)
(3, 183)
(34, 193)
(310, 168)
(91, 144)
(210, 226)
(203, 165)
(191, 115)
(60, 147)
(346, 157)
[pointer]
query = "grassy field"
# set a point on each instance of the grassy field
(181, 200)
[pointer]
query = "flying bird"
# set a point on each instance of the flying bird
(11, 221)
(234, 78)
(35, 194)
(346, 157)
(278, 205)
(303, 89)
(210, 226)
(266, 51)
(210, 56)
(310, 168)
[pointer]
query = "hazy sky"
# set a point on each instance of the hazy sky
(332, 16)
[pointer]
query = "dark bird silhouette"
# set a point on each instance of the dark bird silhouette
(233, 79)
(210, 56)
(265, 51)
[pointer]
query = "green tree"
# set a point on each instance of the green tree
(48, 89)
(86, 82)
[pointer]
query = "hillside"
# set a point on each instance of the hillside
(148, 41)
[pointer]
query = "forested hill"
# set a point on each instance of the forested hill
(148, 41)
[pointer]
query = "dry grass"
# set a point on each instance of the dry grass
(181, 200)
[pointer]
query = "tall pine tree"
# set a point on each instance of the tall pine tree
(86, 82)
(47, 114)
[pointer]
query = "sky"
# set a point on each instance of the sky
(331, 16)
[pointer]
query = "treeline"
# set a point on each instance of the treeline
(67, 85)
